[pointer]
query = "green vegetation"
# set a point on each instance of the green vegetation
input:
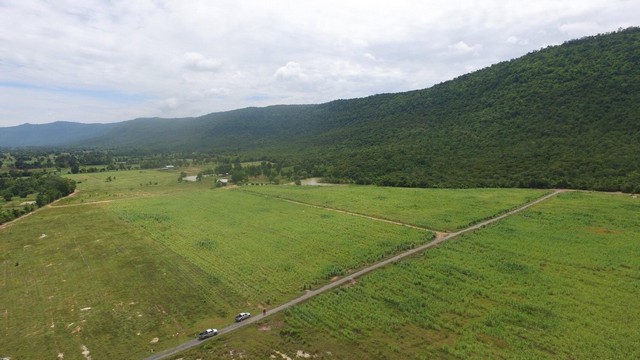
(166, 261)
(138, 261)
(560, 280)
(262, 250)
(22, 195)
(162, 261)
(437, 209)
(115, 185)
(564, 116)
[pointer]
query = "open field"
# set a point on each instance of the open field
(126, 184)
(437, 209)
(559, 280)
(126, 278)
(263, 251)
(149, 270)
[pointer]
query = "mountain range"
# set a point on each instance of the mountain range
(563, 116)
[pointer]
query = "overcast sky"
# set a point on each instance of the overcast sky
(110, 60)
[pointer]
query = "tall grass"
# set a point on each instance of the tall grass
(265, 250)
(560, 280)
(113, 276)
(437, 209)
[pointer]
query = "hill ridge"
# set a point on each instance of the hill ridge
(561, 116)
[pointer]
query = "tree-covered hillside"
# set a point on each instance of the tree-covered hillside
(564, 116)
(60, 133)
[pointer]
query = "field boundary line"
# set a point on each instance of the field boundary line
(388, 221)
(84, 203)
(350, 278)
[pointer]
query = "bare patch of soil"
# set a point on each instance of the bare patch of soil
(86, 352)
(601, 230)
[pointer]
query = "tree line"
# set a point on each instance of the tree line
(47, 188)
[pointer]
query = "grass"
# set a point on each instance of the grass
(91, 281)
(437, 209)
(263, 251)
(165, 259)
(127, 184)
(166, 262)
(560, 280)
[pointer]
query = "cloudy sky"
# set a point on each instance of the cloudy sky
(111, 60)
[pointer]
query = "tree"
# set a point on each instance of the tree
(238, 176)
(42, 200)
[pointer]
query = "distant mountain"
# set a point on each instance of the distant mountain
(566, 116)
(59, 133)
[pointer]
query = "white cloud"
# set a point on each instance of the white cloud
(98, 61)
(291, 71)
(370, 56)
(462, 47)
(198, 62)
(514, 40)
(579, 29)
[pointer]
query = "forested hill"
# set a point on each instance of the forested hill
(60, 133)
(564, 116)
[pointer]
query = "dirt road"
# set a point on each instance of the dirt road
(349, 278)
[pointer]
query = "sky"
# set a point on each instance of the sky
(101, 61)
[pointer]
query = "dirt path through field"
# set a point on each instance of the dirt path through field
(5, 225)
(84, 203)
(350, 278)
(438, 233)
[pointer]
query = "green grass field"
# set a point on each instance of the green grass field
(120, 267)
(561, 280)
(142, 263)
(94, 187)
(437, 209)
(263, 250)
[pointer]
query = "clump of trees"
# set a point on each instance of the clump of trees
(47, 187)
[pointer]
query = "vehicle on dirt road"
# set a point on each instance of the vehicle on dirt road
(207, 334)
(242, 316)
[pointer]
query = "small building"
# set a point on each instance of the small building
(169, 167)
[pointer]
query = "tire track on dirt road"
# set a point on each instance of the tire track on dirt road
(351, 277)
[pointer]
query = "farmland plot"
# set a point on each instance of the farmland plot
(264, 250)
(126, 278)
(437, 209)
(116, 185)
(78, 277)
(560, 280)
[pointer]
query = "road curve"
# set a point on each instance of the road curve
(350, 277)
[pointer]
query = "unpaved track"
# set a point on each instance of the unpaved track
(350, 277)
(439, 234)
(7, 224)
